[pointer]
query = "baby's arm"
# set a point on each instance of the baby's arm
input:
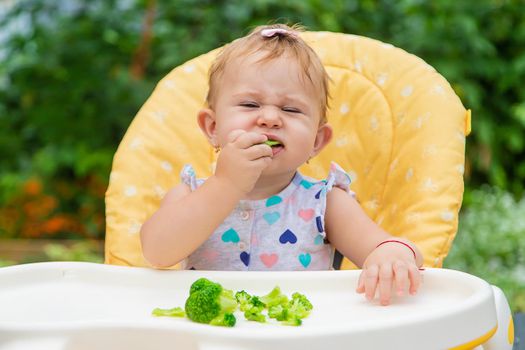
(357, 237)
(186, 219)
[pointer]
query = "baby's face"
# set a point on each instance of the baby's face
(272, 98)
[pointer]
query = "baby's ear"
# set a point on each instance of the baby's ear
(206, 120)
(323, 137)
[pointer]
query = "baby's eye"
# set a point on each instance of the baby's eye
(249, 104)
(291, 110)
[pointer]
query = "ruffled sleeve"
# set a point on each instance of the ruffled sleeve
(336, 177)
(187, 176)
(339, 178)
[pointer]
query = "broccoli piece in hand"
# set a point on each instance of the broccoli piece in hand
(174, 312)
(272, 143)
(209, 301)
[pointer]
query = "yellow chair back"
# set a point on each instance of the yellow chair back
(399, 130)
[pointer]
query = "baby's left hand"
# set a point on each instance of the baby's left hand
(391, 268)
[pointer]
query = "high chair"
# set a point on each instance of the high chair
(399, 131)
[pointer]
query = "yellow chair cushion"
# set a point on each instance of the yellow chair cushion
(399, 130)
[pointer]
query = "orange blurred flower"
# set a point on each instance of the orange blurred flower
(40, 207)
(33, 187)
(56, 224)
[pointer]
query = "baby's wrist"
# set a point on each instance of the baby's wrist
(230, 186)
(408, 246)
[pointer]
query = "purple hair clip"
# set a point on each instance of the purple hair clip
(271, 32)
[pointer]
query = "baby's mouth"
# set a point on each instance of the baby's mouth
(273, 143)
(277, 146)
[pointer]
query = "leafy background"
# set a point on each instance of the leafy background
(74, 73)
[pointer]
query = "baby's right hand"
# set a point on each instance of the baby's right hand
(242, 159)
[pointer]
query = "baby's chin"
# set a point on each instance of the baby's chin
(276, 170)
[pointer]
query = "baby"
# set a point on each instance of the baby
(266, 116)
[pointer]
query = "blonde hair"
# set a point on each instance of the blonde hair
(284, 40)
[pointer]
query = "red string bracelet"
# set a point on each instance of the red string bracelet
(396, 241)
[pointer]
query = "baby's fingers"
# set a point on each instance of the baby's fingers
(249, 139)
(401, 276)
(361, 283)
(234, 135)
(415, 279)
(385, 283)
(370, 281)
(259, 150)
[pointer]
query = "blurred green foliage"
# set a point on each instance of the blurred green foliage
(74, 73)
(490, 242)
(88, 251)
(79, 251)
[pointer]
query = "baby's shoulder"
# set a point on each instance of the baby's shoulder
(336, 178)
(177, 192)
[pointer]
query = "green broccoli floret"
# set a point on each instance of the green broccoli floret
(292, 313)
(300, 306)
(174, 312)
(243, 298)
(275, 297)
(212, 304)
(253, 310)
(224, 320)
(279, 312)
(252, 306)
(200, 284)
(292, 321)
(209, 301)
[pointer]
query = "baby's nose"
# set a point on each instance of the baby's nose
(270, 118)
